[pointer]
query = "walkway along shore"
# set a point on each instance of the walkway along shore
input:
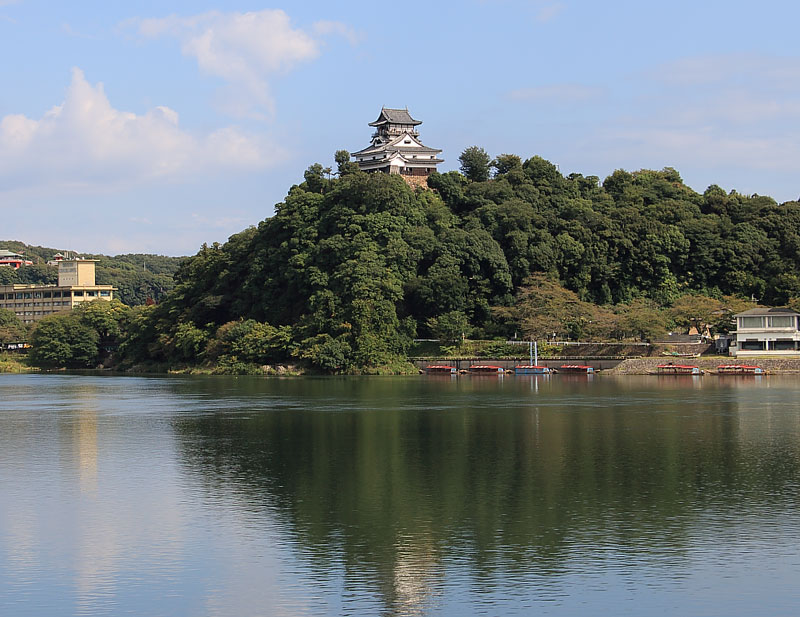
(646, 366)
(629, 366)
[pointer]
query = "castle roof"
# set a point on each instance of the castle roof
(396, 145)
(395, 116)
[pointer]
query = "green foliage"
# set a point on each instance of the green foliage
(81, 338)
(352, 266)
(450, 327)
(64, 341)
(12, 330)
(475, 164)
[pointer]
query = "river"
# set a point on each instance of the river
(223, 496)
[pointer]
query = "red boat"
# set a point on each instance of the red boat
(576, 368)
(435, 369)
(678, 369)
(486, 368)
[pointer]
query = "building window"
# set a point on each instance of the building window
(105, 293)
(56, 294)
(28, 295)
(782, 321)
(91, 294)
(77, 294)
(751, 322)
(48, 294)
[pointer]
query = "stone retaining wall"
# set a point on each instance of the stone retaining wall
(645, 366)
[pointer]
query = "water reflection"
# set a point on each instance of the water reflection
(398, 496)
(399, 483)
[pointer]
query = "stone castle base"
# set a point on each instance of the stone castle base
(416, 181)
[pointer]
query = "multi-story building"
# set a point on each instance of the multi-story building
(766, 332)
(396, 148)
(76, 284)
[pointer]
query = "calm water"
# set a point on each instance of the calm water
(399, 496)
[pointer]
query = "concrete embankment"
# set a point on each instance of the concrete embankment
(618, 366)
(646, 366)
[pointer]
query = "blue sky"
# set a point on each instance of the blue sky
(157, 126)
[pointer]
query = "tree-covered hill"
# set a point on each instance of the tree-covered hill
(351, 268)
(137, 276)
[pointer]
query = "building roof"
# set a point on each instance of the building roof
(394, 146)
(765, 310)
(6, 253)
(394, 116)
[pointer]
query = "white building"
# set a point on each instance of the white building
(767, 332)
(396, 148)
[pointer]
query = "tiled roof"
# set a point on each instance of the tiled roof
(394, 116)
(764, 310)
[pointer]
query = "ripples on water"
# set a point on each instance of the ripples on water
(225, 496)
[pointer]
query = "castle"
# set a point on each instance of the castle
(396, 149)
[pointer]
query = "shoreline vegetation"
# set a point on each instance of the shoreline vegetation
(353, 268)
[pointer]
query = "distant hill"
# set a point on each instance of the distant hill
(137, 276)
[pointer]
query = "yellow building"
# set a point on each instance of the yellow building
(76, 284)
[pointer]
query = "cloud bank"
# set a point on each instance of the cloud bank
(86, 143)
(245, 49)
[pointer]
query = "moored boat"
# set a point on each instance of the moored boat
(576, 368)
(486, 369)
(532, 369)
(740, 369)
(678, 369)
(436, 369)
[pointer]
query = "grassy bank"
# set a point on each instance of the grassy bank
(15, 363)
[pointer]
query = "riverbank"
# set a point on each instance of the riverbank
(15, 364)
(647, 366)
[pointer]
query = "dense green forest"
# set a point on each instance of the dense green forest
(136, 276)
(352, 267)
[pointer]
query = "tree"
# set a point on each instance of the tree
(696, 311)
(505, 163)
(12, 330)
(641, 319)
(544, 308)
(475, 164)
(62, 340)
(315, 178)
(344, 165)
(451, 327)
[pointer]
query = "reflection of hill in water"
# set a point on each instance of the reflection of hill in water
(396, 479)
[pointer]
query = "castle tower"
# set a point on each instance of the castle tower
(396, 149)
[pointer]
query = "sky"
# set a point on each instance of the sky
(156, 127)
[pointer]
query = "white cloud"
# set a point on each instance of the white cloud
(86, 143)
(245, 49)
